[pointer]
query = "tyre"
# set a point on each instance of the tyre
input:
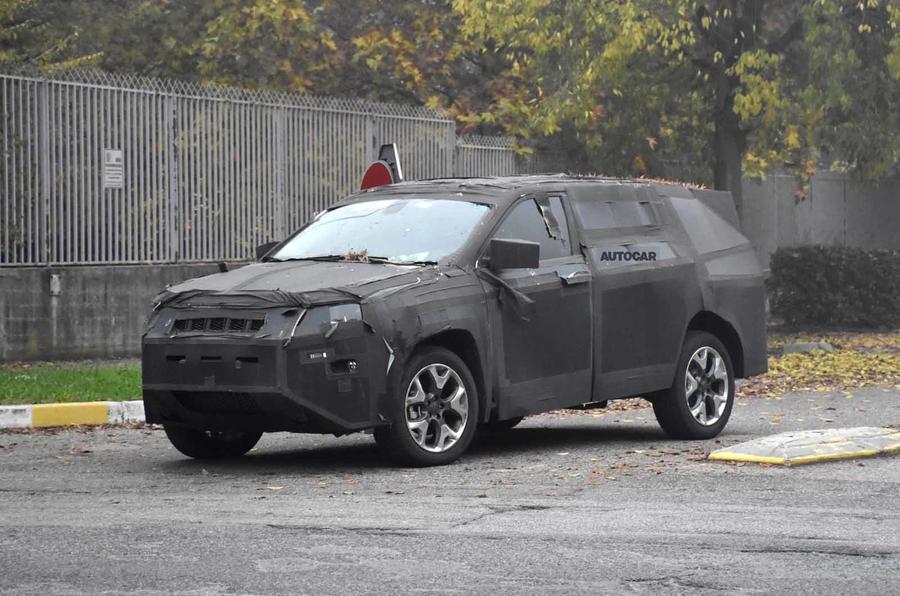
(497, 426)
(699, 403)
(437, 412)
(207, 444)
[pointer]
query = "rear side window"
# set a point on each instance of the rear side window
(708, 230)
(539, 220)
(601, 215)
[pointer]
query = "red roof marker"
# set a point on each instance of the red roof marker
(378, 174)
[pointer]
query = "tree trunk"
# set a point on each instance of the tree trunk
(728, 147)
(729, 143)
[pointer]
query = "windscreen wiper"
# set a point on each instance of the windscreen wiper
(392, 262)
(330, 258)
(414, 262)
(343, 258)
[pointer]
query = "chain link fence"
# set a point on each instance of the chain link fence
(100, 168)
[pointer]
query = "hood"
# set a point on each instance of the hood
(295, 283)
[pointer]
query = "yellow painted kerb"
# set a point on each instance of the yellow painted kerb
(805, 459)
(67, 414)
(745, 457)
(811, 459)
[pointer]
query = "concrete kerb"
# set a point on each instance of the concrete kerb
(121, 412)
(69, 414)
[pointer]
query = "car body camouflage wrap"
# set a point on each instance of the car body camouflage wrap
(314, 346)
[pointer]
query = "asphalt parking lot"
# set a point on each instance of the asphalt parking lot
(599, 503)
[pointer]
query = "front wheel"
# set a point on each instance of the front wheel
(208, 444)
(436, 415)
(699, 403)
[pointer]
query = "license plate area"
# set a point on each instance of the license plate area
(210, 364)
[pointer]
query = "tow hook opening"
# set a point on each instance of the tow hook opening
(344, 367)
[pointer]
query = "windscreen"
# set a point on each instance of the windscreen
(396, 230)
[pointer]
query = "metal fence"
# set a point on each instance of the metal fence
(103, 168)
(479, 155)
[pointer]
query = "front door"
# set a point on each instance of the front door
(543, 350)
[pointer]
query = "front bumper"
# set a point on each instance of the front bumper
(284, 376)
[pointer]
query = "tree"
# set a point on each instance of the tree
(745, 84)
(152, 38)
(388, 50)
(701, 89)
(391, 50)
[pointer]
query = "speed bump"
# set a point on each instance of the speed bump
(812, 446)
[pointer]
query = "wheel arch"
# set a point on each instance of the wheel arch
(714, 324)
(462, 343)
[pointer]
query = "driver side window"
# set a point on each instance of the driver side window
(539, 220)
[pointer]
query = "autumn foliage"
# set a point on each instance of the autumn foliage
(706, 90)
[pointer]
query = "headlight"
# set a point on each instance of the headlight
(342, 313)
(152, 318)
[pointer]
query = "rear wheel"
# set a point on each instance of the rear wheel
(208, 444)
(436, 416)
(699, 403)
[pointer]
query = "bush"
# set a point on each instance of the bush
(835, 285)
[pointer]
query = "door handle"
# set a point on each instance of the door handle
(576, 277)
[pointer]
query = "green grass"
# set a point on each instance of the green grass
(52, 383)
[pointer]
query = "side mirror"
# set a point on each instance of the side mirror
(514, 254)
(263, 249)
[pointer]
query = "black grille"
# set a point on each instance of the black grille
(217, 325)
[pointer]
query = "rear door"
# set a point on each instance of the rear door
(543, 355)
(644, 289)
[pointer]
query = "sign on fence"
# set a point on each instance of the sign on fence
(113, 169)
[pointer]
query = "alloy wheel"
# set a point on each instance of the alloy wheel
(437, 408)
(706, 386)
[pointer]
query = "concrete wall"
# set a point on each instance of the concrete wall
(98, 313)
(837, 211)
